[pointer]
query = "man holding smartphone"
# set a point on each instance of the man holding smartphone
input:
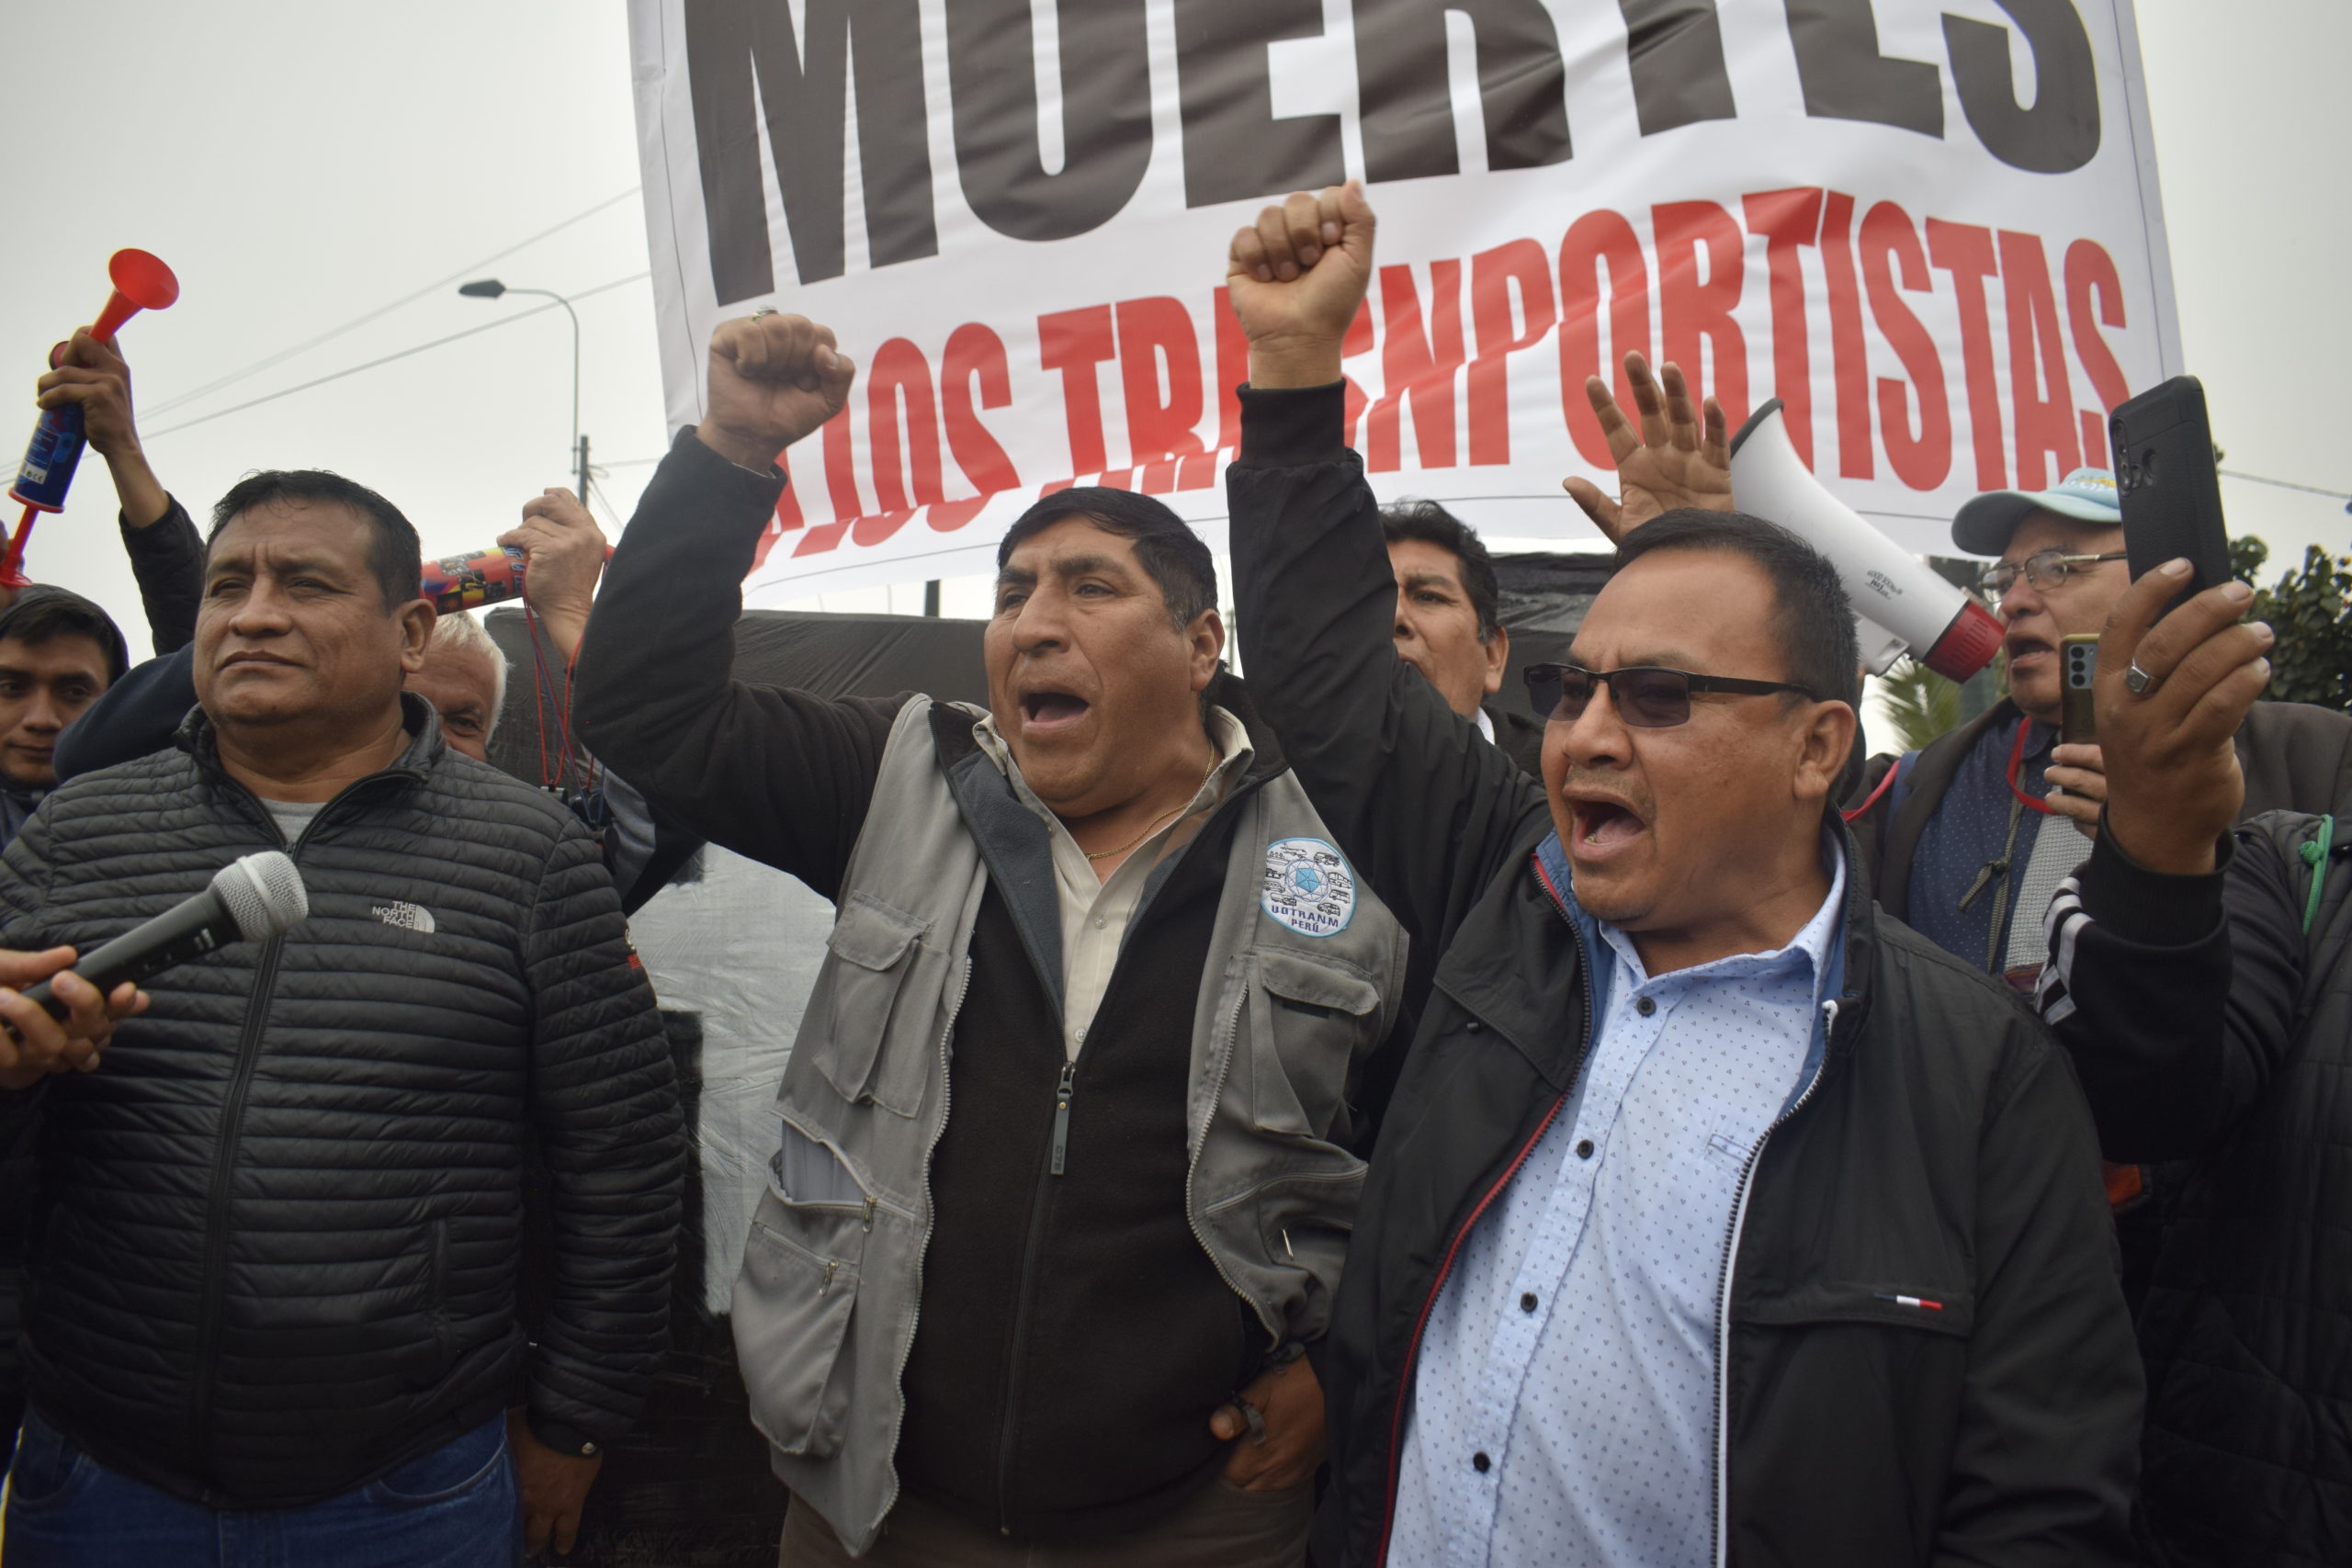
(1964, 840)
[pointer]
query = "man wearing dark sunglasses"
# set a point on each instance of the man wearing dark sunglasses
(1966, 839)
(1714, 1216)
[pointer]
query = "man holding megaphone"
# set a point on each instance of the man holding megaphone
(1965, 839)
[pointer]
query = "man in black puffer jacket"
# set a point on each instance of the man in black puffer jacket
(2202, 979)
(271, 1297)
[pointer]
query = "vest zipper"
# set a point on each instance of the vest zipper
(923, 1243)
(1061, 1115)
(1032, 1243)
(1719, 1546)
(1454, 1247)
(1227, 1042)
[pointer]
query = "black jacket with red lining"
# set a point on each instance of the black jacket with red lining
(1945, 1152)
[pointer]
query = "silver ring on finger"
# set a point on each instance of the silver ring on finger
(2138, 682)
(763, 310)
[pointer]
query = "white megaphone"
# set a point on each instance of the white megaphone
(1899, 605)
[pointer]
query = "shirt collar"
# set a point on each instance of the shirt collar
(1235, 755)
(1809, 947)
(1485, 722)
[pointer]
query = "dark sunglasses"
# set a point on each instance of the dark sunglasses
(1648, 696)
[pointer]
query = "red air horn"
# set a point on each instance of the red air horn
(140, 283)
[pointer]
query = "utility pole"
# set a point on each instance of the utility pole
(491, 288)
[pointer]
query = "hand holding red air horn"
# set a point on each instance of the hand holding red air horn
(140, 282)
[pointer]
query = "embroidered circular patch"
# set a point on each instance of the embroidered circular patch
(1308, 886)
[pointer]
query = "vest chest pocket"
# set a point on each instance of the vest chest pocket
(875, 1003)
(1307, 1018)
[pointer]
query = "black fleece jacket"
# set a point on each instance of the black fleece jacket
(1944, 1151)
(2210, 1028)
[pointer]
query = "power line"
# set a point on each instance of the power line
(387, 359)
(2285, 484)
(597, 492)
(357, 322)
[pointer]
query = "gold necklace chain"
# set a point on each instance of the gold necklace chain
(1154, 825)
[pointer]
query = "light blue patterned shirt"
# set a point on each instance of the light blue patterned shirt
(1563, 1403)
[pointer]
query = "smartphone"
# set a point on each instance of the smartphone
(2077, 667)
(2168, 485)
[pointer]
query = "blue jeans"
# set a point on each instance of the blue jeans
(455, 1507)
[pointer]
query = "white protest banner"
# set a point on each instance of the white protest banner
(1931, 229)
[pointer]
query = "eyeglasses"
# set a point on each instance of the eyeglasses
(1648, 696)
(2045, 571)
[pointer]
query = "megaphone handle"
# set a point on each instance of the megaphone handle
(12, 566)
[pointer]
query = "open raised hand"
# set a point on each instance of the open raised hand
(1679, 456)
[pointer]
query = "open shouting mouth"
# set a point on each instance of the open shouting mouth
(1605, 828)
(1045, 711)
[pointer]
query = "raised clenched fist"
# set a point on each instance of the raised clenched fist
(773, 378)
(1296, 278)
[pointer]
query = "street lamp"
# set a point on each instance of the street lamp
(491, 289)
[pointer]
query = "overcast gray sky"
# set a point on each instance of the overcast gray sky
(300, 164)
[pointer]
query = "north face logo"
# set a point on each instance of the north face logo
(408, 917)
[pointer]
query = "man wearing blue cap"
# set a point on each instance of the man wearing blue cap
(1966, 839)
(1971, 835)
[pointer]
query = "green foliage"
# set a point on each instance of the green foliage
(2311, 610)
(1921, 704)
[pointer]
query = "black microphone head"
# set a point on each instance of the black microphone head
(262, 893)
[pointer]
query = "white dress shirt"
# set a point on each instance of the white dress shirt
(1095, 909)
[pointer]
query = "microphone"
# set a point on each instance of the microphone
(251, 899)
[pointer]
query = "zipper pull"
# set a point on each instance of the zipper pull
(827, 1283)
(868, 1226)
(1986, 874)
(1061, 1115)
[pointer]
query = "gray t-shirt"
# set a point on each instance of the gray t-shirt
(293, 816)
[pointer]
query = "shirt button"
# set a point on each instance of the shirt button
(1644, 1005)
(1527, 1302)
(1098, 922)
(1481, 1463)
(1583, 1149)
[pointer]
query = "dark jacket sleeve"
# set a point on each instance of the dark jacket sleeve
(2176, 994)
(604, 1105)
(780, 775)
(2297, 756)
(137, 716)
(1426, 810)
(24, 884)
(167, 557)
(2045, 1453)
